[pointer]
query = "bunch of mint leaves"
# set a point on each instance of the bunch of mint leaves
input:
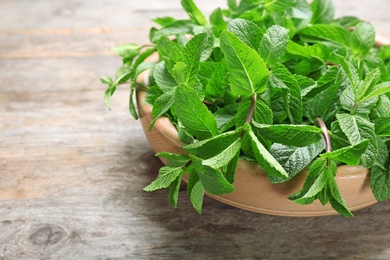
(280, 82)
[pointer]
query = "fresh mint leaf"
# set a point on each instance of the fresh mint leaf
(225, 117)
(380, 173)
(162, 104)
(316, 180)
(306, 84)
(264, 158)
(174, 28)
(106, 80)
(318, 50)
(229, 170)
(174, 188)
(247, 31)
(212, 179)
(368, 84)
(166, 176)
(357, 129)
(144, 66)
(247, 71)
(179, 73)
(164, 21)
(193, 114)
(349, 155)
(273, 45)
(196, 196)
(123, 74)
(175, 160)
(363, 38)
(218, 81)
(283, 80)
(348, 102)
(382, 126)
(127, 51)
(192, 56)
(108, 94)
(326, 33)
(163, 78)
(378, 90)
(323, 11)
(217, 21)
(132, 109)
(295, 135)
(294, 159)
(193, 11)
(213, 146)
(223, 158)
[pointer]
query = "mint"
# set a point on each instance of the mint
(280, 83)
(247, 70)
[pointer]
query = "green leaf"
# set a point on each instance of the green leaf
(193, 11)
(378, 90)
(382, 126)
(368, 84)
(192, 56)
(106, 80)
(357, 129)
(327, 33)
(123, 74)
(217, 21)
(247, 31)
(127, 51)
(179, 73)
(320, 105)
(229, 170)
(163, 78)
(132, 109)
(218, 81)
(162, 104)
(247, 71)
(323, 11)
(363, 38)
(213, 146)
(294, 159)
(225, 156)
(315, 181)
(174, 28)
(264, 158)
(174, 188)
(175, 160)
(144, 66)
(108, 94)
(141, 59)
(380, 174)
(273, 45)
(282, 80)
(193, 114)
(335, 198)
(318, 50)
(166, 176)
(164, 21)
(197, 195)
(349, 155)
(212, 179)
(295, 135)
(306, 84)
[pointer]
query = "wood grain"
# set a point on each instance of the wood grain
(72, 172)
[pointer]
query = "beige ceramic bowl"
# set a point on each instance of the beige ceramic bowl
(253, 191)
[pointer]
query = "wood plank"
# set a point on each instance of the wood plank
(72, 172)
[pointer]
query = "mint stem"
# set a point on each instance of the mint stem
(251, 109)
(325, 133)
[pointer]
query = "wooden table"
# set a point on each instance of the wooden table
(72, 172)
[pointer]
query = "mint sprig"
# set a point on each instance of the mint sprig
(281, 83)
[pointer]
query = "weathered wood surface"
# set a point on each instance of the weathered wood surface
(72, 172)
